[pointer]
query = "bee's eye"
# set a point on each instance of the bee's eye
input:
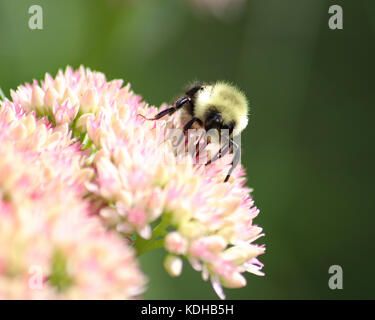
(213, 120)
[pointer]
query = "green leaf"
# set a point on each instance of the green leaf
(2, 95)
(60, 278)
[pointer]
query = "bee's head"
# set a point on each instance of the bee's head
(213, 120)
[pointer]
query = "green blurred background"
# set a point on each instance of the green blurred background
(309, 147)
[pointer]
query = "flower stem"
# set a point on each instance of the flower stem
(157, 241)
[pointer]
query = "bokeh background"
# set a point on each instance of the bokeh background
(309, 147)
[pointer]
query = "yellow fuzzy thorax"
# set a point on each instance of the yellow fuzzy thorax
(226, 99)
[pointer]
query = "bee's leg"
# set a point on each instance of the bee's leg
(179, 104)
(221, 153)
(226, 144)
(236, 159)
(187, 126)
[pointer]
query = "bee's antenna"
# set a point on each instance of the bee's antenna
(179, 104)
(141, 115)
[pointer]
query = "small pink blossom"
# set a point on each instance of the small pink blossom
(175, 243)
(173, 265)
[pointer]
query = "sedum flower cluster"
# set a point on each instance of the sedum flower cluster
(87, 182)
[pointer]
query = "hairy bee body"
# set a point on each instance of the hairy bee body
(222, 102)
(214, 106)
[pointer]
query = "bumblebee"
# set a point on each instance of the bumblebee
(214, 106)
